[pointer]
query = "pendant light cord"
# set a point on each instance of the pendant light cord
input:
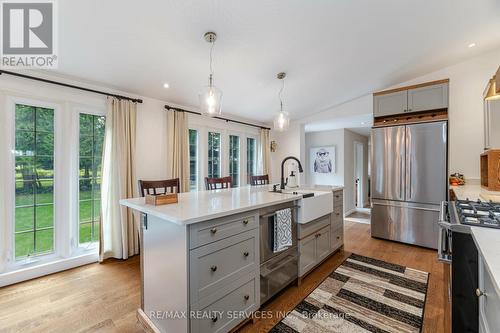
(211, 63)
(280, 93)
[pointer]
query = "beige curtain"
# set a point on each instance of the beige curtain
(178, 148)
(264, 153)
(119, 232)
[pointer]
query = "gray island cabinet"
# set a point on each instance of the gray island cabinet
(200, 259)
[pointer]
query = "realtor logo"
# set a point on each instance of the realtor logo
(28, 34)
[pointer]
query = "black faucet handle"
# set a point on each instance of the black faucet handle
(275, 187)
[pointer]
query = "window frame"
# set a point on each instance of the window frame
(229, 135)
(197, 165)
(205, 125)
(222, 151)
(13, 263)
(75, 177)
(67, 252)
(93, 113)
(255, 166)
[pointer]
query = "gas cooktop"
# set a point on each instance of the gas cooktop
(478, 213)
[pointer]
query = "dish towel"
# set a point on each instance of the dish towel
(282, 230)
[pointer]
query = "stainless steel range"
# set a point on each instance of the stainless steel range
(456, 247)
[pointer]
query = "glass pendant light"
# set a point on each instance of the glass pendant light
(210, 96)
(282, 119)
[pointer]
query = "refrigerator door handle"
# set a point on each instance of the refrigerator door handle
(402, 206)
(410, 190)
(401, 171)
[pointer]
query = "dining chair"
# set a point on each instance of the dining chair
(218, 183)
(159, 186)
(259, 180)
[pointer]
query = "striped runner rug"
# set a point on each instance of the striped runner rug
(362, 295)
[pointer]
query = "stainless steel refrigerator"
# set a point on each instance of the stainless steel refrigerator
(409, 181)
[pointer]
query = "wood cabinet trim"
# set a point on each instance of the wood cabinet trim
(420, 85)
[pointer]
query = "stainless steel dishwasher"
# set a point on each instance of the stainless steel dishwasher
(277, 269)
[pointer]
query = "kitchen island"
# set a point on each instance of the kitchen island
(200, 257)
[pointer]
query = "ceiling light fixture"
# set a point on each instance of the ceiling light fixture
(166, 85)
(471, 45)
(282, 119)
(210, 96)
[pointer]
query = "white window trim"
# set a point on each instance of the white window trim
(204, 125)
(67, 252)
(198, 164)
(77, 247)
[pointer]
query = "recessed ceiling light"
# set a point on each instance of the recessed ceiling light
(471, 45)
(166, 85)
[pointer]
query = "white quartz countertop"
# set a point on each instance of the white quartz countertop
(200, 206)
(474, 192)
(488, 244)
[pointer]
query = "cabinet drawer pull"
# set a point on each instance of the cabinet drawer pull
(213, 268)
(480, 293)
(214, 319)
(246, 297)
(337, 214)
(337, 196)
(213, 230)
(246, 253)
(245, 222)
(338, 237)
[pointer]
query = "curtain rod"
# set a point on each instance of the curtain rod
(136, 100)
(168, 107)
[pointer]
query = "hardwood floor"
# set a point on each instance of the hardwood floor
(92, 298)
(358, 240)
(104, 297)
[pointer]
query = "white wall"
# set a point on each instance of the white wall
(466, 128)
(344, 141)
(466, 137)
(289, 143)
(325, 138)
(349, 188)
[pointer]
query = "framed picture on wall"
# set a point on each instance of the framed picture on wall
(322, 160)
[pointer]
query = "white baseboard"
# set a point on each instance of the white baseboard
(46, 269)
(364, 210)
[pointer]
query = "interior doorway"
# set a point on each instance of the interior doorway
(359, 180)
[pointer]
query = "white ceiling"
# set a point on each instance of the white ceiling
(360, 124)
(332, 51)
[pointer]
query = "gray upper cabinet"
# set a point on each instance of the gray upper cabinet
(428, 98)
(389, 104)
(420, 98)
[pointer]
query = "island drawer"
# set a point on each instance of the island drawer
(211, 231)
(306, 229)
(338, 199)
(337, 237)
(215, 265)
(227, 310)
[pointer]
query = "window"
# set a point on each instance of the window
(193, 163)
(91, 142)
(214, 145)
(234, 159)
(251, 157)
(34, 174)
